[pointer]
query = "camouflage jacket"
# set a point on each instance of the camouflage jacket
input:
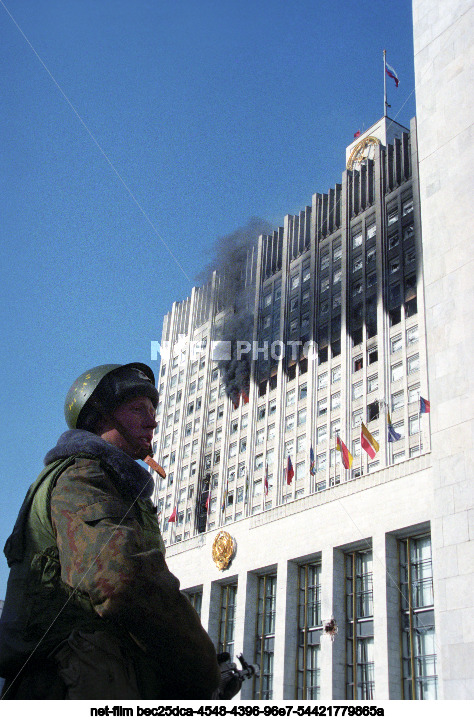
(111, 554)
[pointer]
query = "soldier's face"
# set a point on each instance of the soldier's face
(137, 416)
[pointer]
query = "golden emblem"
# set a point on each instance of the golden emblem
(363, 150)
(222, 550)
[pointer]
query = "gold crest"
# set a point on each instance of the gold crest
(222, 550)
(363, 150)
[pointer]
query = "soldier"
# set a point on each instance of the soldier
(92, 611)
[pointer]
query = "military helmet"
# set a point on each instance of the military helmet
(105, 387)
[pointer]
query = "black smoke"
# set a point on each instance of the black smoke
(234, 260)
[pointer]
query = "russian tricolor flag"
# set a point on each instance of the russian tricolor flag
(424, 405)
(392, 74)
(289, 471)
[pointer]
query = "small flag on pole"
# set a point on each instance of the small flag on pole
(265, 481)
(424, 405)
(368, 442)
(356, 134)
(393, 436)
(208, 502)
(346, 457)
(289, 471)
(312, 468)
(174, 515)
(392, 74)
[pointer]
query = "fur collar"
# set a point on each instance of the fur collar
(131, 477)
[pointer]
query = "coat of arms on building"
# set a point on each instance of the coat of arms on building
(223, 549)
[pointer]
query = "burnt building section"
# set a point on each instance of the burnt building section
(302, 334)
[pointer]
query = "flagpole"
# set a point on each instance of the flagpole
(419, 424)
(385, 84)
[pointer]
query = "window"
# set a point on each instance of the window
(243, 445)
(195, 597)
(209, 438)
(420, 680)
(309, 632)
(394, 265)
(260, 413)
(335, 428)
(412, 335)
(322, 407)
(372, 383)
(397, 400)
(373, 411)
(260, 436)
(413, 363)
(370, 231)
(407, 206)
(294, 282)
(270, 432)
(227, 618)
(336, 374)
(357, 390)
(234, 426)
(359, 626)
(214, 374)
(322, 380)
(265, 636)
(414, 393)
(408, 232)
(399, 457)
(397, 372)
(321, 462)
(241, 469)
(336, 252)
(336, 276)
(396, 344)
(372, 355)
(190, 408)
(371, 279)
(393, 241)
(267, 300)
(358, 363)
(272, 406)
(197, 424)
(294, 302)
(392, 216)
(192, 387)
(324, 261)
(357, 264)
(220, 412)
(324, 284)
(192, 469)
(200, 382)
(212, 395)
(290, 397)
(303, 391)
(259, 461)
(290, 422)
(357, 239)
(336, 301)
(301, 416)
(301, 443)
(233, 449)
(414, 425)
(357, 288)
(211, 417)
(357, 418)
(289, 445)
(335, 400)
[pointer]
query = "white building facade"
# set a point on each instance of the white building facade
(336, 296)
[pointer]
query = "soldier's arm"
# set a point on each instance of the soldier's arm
(103, 552)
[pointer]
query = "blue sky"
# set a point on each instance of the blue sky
(134, 133)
